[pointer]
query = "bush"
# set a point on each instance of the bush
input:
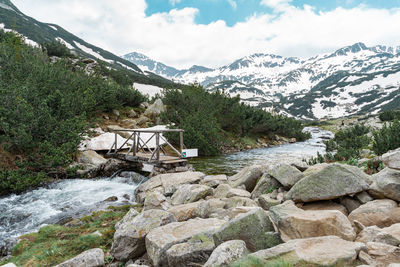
(208, 118)
(56, 48)
(45, 109)
(389, 115)
(387, 138)
(349, 142)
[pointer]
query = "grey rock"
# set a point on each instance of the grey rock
(286, 174)
(295, 223)
(381, 212)
(350, 203)
(247, 177)
(190, 193)
(253, 227)
(363, 197)
(387, 184)
(214, 180)
(391, 159)
(156, 200)
(266, 202)
(90, 258)
(332, 181)
(132, 114)
(320, 251)
(380, 254)
(193, 253)
(159, 240)
(129, 238)
(227, 253)
(265, 185)
(226, 191)
(188, 211)
(325, 205)
(155, 109)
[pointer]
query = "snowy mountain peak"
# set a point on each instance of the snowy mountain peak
(355, 79)
(197, 68)
(357, 47)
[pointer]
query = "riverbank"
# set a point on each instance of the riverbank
(321, 215)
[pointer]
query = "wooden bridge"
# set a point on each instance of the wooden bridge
(148, 147)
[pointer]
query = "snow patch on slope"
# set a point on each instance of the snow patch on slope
(68, 45)
(91, 52)
(149, 90)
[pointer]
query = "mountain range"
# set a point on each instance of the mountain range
(352, 80)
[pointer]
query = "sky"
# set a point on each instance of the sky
(212, 33)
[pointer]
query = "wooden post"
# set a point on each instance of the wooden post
(158, 146)
(134, 143)
(116, 146)
(181, 142)
(137, 143)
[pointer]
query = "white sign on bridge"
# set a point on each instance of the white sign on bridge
(190, 153)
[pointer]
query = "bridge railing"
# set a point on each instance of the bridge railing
(151, 146)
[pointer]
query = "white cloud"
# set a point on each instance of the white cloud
(233, 4)
(277, 5)
(175, 39)
(174, 2)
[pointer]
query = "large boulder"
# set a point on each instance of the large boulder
(188, 211)
(156, 200)
(265, 184)
(129, 238)
(295, 223)
(266, 202)
(391, 159)
(155, 109)
(188, 193)
(167, 183)
(233, 202)
(214, 180)
(381, 212)
(253, 227)
(325, 205)
(333, 181)
(90, 258)
(171, 181)
(321, 251)
(160, 239)
(91, 157)
(380, 254)
(226, 191)
(386, 184)
(389, 235)
(286, 174)
(226, 253)
(248, 177)
(195, 252)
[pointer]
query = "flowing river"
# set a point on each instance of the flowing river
(62, 200)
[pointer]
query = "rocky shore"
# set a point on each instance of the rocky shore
(321, 215)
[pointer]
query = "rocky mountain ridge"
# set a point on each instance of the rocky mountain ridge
(352, 80)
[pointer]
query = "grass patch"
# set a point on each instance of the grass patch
(252, 261)
(54, 244)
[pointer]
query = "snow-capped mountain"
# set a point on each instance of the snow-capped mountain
(352, 80)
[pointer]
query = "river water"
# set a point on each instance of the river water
(232, 163)
(27, 212)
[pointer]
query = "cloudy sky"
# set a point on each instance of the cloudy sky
(212, 33)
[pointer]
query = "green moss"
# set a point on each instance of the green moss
(54, 244)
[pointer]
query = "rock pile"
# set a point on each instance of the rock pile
(329, 214)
